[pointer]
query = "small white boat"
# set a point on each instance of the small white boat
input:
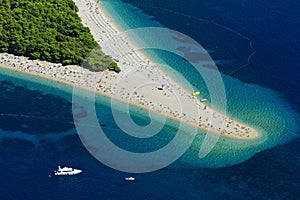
(203, 100)
(129, 178)
(66, 171)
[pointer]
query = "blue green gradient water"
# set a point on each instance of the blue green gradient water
(260, 107)
(236, 169)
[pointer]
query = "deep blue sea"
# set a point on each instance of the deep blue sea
(255, 45)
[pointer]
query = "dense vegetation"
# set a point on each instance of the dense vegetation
(47, 29)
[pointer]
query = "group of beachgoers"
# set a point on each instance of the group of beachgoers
(139, 82)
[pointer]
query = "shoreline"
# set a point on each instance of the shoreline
(137, 69)
(61, 81)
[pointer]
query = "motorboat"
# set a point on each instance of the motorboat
(129, 178)
(66, 171)
(203, 100)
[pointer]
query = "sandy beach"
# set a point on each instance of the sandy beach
(139, 82)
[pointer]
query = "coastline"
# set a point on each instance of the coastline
(132, 80)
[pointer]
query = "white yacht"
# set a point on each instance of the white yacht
(129, 178)
(66, 171)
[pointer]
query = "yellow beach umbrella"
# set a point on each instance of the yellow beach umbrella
(196, 93)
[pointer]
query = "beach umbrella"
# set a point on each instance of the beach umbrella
(196, 93)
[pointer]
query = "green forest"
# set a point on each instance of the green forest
(49, 30)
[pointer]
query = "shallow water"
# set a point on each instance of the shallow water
(29, 149)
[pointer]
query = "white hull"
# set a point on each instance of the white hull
(67, 171)
(129, 179)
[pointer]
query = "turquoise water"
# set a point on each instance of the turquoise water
(37, 133)
(262, 108)
(252, 104)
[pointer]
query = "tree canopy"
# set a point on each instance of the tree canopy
(45, 29)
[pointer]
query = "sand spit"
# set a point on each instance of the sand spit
(139, 83)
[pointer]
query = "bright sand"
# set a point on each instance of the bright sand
(139, 82)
